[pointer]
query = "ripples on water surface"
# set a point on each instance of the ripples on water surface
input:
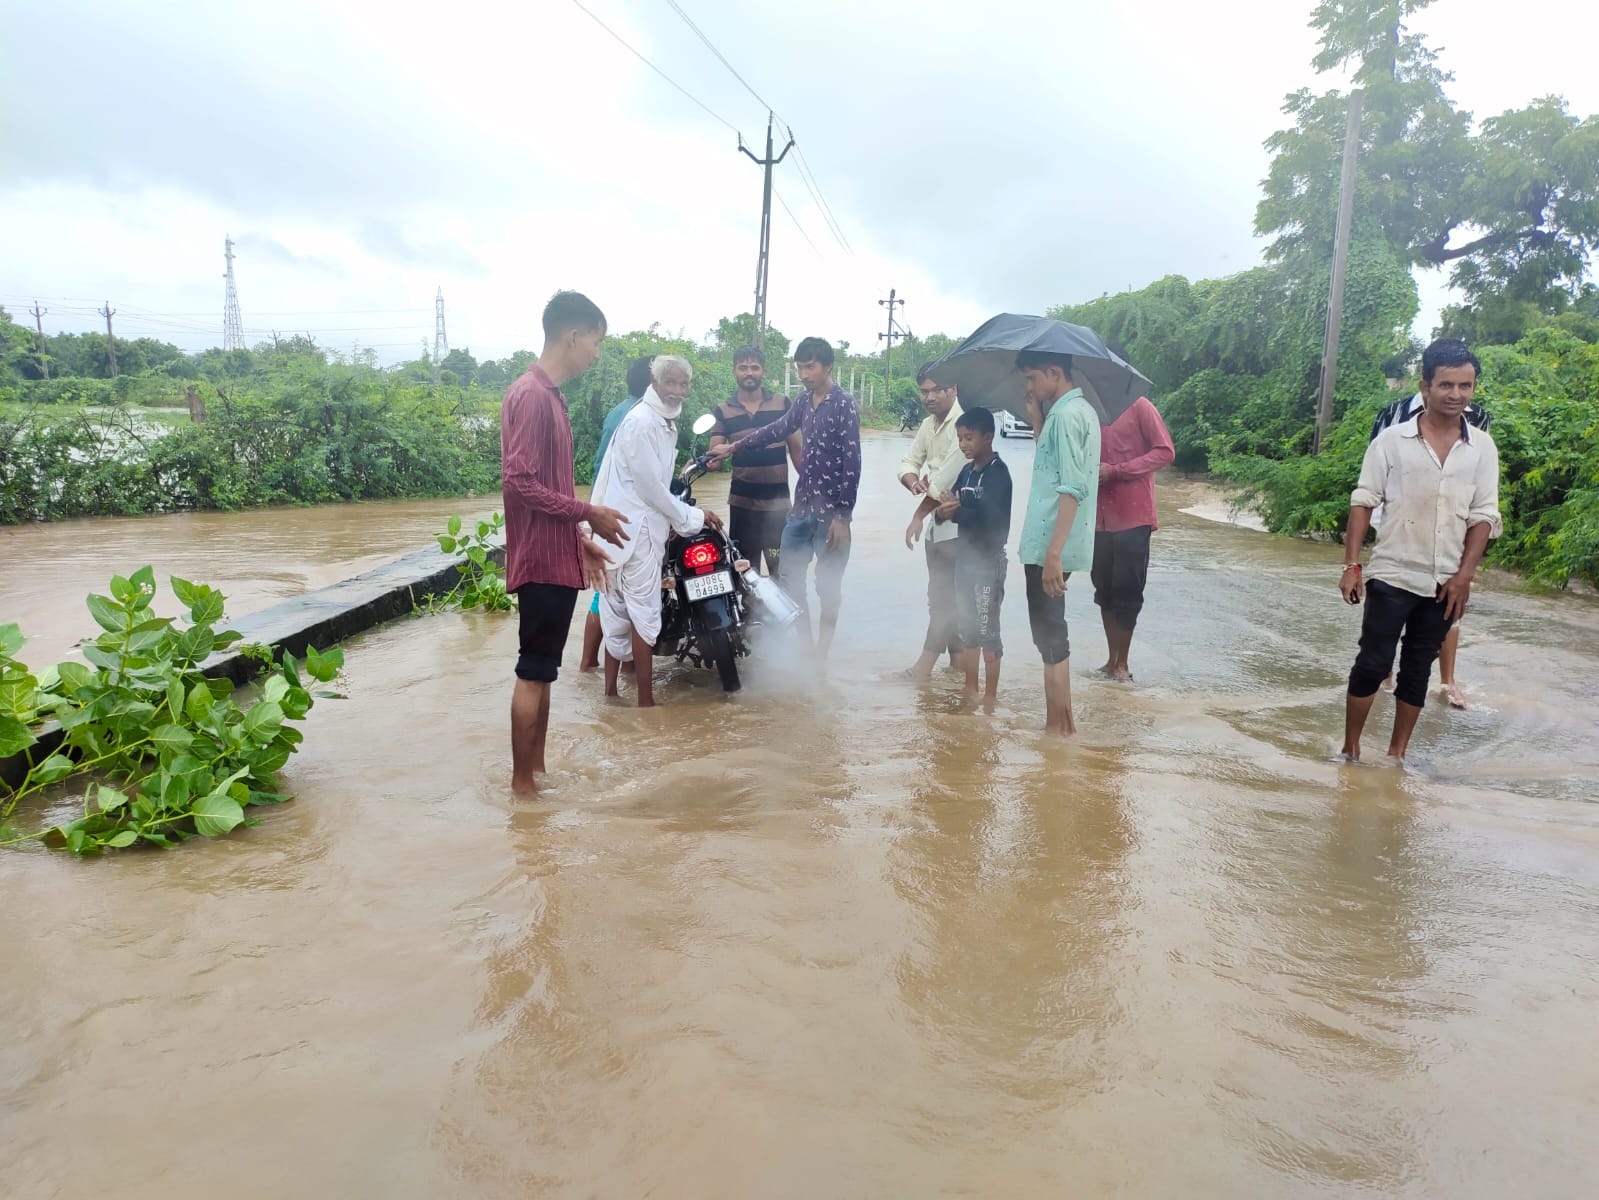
(835, 941)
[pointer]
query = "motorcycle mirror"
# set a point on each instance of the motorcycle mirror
(702, 423)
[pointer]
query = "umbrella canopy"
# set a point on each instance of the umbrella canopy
(983, 367)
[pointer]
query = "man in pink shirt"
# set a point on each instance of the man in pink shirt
(1131, 449)
(547, 559)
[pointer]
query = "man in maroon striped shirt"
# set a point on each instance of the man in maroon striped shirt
(547, 558)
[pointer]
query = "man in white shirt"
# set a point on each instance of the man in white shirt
(1397, 413)
(1438, 481)
(928, 472)
(636, 479)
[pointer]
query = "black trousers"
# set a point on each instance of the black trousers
(1393, 614)
(1121, 568)
(758, 534)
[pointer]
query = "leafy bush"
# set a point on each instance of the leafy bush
(164, 752)
(482, 582)
(1543, 395)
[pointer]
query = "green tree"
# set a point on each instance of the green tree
(461, 364)
(732, 332)
(1513, 207)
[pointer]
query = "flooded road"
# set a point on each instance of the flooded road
(841, 940)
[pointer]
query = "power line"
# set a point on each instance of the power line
(806, 173)
(709, 45)
(795, 219)
(636, 54)
(809, 176)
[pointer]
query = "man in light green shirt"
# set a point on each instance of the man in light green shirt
(928, 472)
(1057, 535)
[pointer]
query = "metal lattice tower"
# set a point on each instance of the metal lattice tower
(232, 321)
(441, 344)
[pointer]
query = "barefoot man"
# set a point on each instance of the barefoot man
(1438, 480)
(818, 526)
(929, 472)
(546, 559)
(1132, 448)
(1446, 352)
(1058, 524)
(637, 479)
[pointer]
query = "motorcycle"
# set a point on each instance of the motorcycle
(910, 418)
(708, 589)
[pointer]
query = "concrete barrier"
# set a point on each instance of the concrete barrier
(322, 618)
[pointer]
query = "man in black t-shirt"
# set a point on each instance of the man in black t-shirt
(757, 499)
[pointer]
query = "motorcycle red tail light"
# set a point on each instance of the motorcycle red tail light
(701, 556)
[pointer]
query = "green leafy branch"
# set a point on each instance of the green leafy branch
(165, 753)
(482, 582)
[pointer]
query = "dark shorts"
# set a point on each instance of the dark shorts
(979, 593)
(546, 617)
(1047, 616)
(758, 533)
(1121, 568)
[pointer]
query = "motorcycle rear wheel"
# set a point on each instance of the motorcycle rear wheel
(719, 649)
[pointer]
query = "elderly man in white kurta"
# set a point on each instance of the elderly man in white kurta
(636, 480)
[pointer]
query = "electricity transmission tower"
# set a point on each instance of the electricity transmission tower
(232, 321)
(895, 330)
(441, 344)
(761, 263)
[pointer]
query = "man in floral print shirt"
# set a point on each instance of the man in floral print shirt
(824, 495)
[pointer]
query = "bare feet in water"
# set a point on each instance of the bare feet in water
(1454, 693)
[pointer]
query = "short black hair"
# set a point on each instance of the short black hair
(571, 310)
(1447, 352)
(936, 371)
(1041, 360)
(816, 350)
(980, 420)
(746, 354)
(638, 375)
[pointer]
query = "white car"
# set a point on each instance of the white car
(1011, 426)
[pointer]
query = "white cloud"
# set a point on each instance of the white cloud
(365, 153)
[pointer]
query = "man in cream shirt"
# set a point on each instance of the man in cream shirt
(929, 471)
(1437, 479)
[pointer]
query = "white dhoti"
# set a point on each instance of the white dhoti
(635, 479)
(631, 601)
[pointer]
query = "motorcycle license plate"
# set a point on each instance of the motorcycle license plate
(703, 587)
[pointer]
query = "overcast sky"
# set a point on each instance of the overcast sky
(1003, 156)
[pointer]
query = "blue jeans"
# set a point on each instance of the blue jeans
(804, 539)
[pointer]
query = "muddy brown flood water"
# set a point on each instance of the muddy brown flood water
(841, 940)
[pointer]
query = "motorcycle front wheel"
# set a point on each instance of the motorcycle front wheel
(718, 647)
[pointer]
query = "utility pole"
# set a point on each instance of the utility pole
(1335, 299)
(38, 323)
(762, 263)
(232, 320)
(895, 330)
(441, 344)
(110, 339)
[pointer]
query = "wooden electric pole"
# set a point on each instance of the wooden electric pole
(762, 262)
(1335, 298)
(110, 339)
(38, 323)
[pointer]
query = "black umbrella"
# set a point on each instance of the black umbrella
(983, 367)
